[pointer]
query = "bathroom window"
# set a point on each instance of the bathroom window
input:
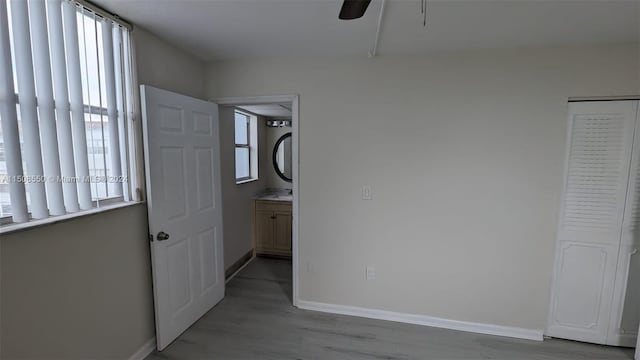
(246, 146)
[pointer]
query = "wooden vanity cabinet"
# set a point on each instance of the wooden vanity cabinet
(272, 228)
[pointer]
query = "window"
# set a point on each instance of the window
(246, 144)
(63, 136)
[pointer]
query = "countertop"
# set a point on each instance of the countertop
(275, 197)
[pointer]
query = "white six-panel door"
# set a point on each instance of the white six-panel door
(592, 217)
(182, 161)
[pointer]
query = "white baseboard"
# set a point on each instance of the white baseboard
(479, 328)
(253, 257)
(144, 351)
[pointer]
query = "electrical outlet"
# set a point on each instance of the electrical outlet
(370, 273)
(367, 193)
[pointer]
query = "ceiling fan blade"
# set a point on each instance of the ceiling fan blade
(353, 9)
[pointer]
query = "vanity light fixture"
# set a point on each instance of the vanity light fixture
(278, 123)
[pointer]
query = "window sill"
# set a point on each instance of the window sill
(13, 227)
(246, 181)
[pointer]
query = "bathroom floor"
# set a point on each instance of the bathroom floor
(256, 320)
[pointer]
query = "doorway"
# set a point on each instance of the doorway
(258, 204)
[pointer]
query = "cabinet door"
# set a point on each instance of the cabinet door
(283, 231)
(264, 230)
(591, 215)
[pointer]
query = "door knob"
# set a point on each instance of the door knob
(162, 236)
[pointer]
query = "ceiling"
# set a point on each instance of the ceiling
(277, 111)
(244, 29)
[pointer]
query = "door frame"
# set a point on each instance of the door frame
(638, 346)
(637, 357)
(295, 132)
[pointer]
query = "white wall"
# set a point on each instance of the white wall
(237, 199)
(81, 288)
(165, 66)
(464, 152)
(78, 289)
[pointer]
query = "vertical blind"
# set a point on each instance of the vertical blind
(65, 106)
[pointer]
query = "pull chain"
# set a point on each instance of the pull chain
(424, 13)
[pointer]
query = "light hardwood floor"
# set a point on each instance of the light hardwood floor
(257, 321)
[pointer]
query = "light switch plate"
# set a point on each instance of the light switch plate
(370, 273)
(367, 193)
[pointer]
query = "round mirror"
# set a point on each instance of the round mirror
(282, 157)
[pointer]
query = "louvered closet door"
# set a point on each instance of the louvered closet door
(625, 313)
(591, 216)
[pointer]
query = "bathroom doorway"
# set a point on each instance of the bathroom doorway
(260, 167)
